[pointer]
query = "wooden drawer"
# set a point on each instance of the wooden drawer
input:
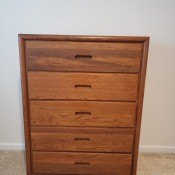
(82, 113)
(81, 163)
(83, 56)
(82, 139)
(82, 86)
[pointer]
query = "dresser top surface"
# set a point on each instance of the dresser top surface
(84, 38)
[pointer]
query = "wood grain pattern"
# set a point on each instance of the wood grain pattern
(85, 38)
(70, 64)
(56, 85)
(25, 104)
(140, 104)
(81, 163)
(82, 113)
(82, 139)
(83, 57)
(94, 73)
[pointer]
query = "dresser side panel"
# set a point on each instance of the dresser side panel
(25, 103)
(140, 105)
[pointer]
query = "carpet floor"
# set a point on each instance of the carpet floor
(13, 163)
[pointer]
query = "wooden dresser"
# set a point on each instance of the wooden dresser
(82, 103)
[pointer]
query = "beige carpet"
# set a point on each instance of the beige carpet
(12, 163)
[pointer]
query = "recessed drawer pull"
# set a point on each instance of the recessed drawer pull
(83, 57)
(82, 139)
(82, 113)
(82, 86)
(82, 163)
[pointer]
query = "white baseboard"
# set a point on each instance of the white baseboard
(142, 148)
(157, 148)
(12, 146)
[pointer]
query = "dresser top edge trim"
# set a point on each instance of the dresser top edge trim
(83, 38)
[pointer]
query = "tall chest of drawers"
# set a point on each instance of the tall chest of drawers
(82, 103)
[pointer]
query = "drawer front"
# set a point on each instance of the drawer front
(81, 163)
(83, 56)
(82, 113)
(82, 86)
(82, 139)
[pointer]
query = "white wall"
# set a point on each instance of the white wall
(93, 17)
